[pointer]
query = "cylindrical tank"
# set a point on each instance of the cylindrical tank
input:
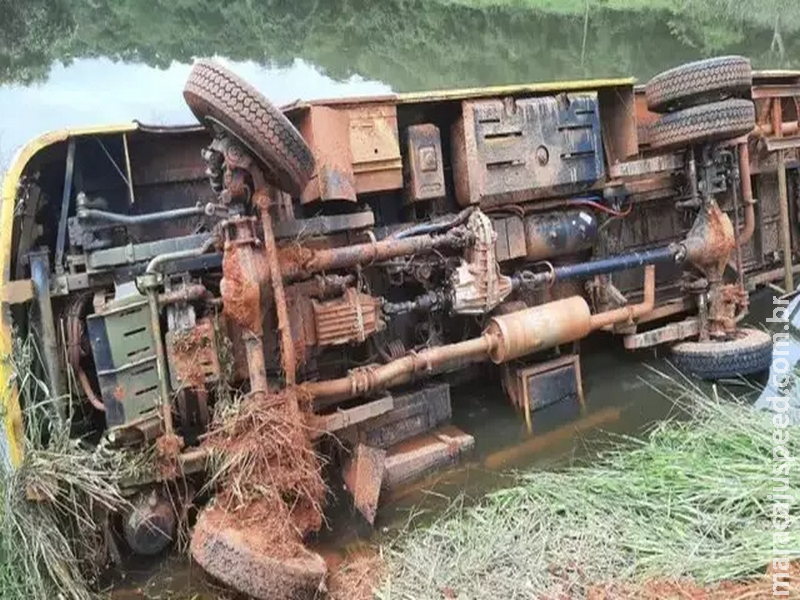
(538, 328)
(150, 525)
(549, 235)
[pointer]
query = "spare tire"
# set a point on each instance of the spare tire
(218, 97)
(747, 352)
(700, 82)
(704, 123)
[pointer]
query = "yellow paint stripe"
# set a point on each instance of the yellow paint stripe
(12, 414)
(506, 90)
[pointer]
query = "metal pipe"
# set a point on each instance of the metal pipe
(739, 261)
(693, 177)
(83, 379)
(128, 170)
(288, 358)
(433, 360)
(746, 233)
(154, 266)
(66, 196)
(507, 337)
(786, 236)
(434, 226)
(161, 361)
(787, 128)
(617, 263)
(40, 275)
(254, 350)
(110, 217)
(189, 293)
(305, 262)
(627, 314)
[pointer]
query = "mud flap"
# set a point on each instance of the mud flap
(363, 476)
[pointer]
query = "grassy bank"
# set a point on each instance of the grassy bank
(54, 507)
(691, 500)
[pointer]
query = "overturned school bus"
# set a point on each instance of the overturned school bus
(343, 256)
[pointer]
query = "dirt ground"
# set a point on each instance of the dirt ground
(665, 589)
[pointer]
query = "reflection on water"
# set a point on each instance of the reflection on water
(70, 62)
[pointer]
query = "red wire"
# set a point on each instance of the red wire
(603, 208)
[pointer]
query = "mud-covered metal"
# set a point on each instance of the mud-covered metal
(551, 235)
(356, 149)
(244, 269)
(425, 163)
(477, 284)
(363, 476)
(541, 327)
(150, 525)
(516, 149)
(349, 319)
(193, 356)
(710, 241)
(300, 262)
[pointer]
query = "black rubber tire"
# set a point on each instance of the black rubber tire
(700, 82)
(749, 352)
(217, 96)
(705, 123)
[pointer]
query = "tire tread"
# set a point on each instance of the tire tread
(688, 85)
(715, 121)
(212, 91)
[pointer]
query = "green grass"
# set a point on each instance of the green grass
(689, 500)
(53, 507)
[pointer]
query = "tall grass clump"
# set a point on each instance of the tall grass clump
(54, 507)
(691, 499)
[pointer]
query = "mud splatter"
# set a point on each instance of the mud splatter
(168, 449)
(266, 452)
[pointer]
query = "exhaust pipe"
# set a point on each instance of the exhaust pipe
(506, 338)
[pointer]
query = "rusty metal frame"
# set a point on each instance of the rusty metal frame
(523, 374)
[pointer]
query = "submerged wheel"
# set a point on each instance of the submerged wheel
(699, 82)
(748, 351)
(708, 122)
(218, 97)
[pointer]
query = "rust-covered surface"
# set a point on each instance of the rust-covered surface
(513, 150)
(244, 270)
(298, 262)
(710, 241)
(419, 456)
(427, 240)
(425, 163)
(363, 476)
(356, 148)
(349, 319)
(327, 132)
(193, 355)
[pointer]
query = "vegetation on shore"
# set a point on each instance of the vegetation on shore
(407, 44)
(53, 508)
(693, 499)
